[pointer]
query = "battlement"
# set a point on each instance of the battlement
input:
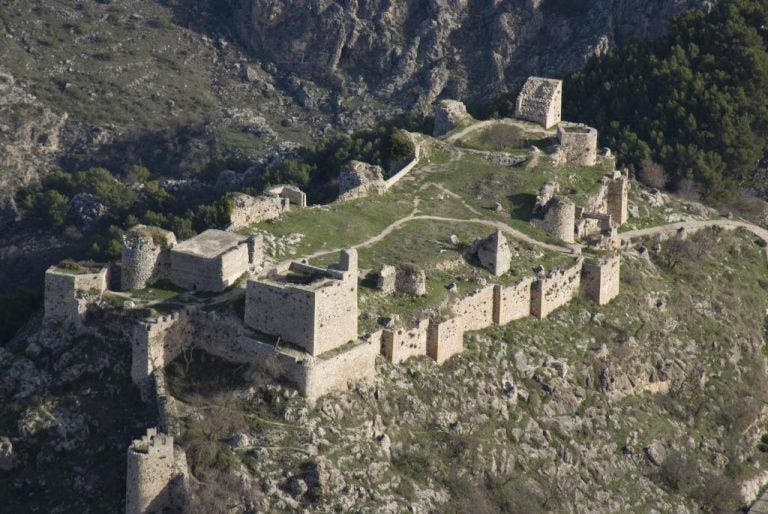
(153, 443)
(155, 475)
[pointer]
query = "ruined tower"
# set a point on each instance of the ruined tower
(540, 101)
(494, 254)
(618, 197)
(150, 474)
(145, 256)
(578, 143)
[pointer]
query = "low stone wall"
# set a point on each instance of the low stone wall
(405, 170)
(512, 302)
(445, 339)
(554, 291)
(400, 344)
(476, 310)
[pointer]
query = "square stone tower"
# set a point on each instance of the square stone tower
(70, 287)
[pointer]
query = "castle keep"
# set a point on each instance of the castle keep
(69, 288)
(211, 261)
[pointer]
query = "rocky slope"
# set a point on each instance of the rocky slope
(409, 53)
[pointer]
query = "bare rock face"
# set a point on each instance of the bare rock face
(360, 179)
(30, 135)
(449, 114)
(416, 52)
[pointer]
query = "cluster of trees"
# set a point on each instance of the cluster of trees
(694, 102)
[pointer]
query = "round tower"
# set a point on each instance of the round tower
(561, 218)
(150, 471)
(145, 256)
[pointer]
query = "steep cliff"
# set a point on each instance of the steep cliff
(411, 52)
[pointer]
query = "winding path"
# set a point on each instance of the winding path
(693, 226)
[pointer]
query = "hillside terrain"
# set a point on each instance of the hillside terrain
(655, 401)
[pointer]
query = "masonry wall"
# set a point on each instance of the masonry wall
(618, 200)
(554, 291)
(67, 295)
(149, 476)
(335, 321)
(280, 310)
(216, 274)
(247, 210)
(512, 302)
(600, 279)
(445, 339)
(476, 310)
(578, 143)
(143, 261)
(401, 344)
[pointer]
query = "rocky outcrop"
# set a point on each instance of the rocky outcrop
(418, 52)
(359, 179)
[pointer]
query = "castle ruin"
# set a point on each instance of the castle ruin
(155, 475)
(359, 179)
(69, 288)
(600, 278)
(449, 114)
(211, 261)
(540, 101)
(145, 257)
(578, 144)
(494, 254)
(246, 210)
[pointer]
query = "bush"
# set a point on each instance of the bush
(652, 174)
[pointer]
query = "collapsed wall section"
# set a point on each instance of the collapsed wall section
(555, 290)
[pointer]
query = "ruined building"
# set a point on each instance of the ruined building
(155, 475)
(540, 101)
(494, 254)
(578, 144)
(359, 179)
(211, 261)
(70, 287)
(600, 278)
(145, 257)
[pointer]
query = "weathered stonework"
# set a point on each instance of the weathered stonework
(291, 193)
(449, 114)
(145, 257)
(476, 310)
(512, 302)
(386, 280)
(445, 339)
(600, 278)
(494, 254)
(69, 292)
(211, 261)
(618, 197)
(578, 143)
(313, 308)
(540, 101)
(247, 210)
(555, 290)
(359, 179)
(410, 280)
(155, 477)
(558, 217)
(400, 344)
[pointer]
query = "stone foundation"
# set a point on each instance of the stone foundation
(445, 339)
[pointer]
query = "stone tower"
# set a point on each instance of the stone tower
(540, 101)
(618, 197)
(150, 474)
(560, 218)
(578, 143)
(600, 278)
(145, 256)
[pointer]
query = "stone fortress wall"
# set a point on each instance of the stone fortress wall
(156, 475)
(445, 339)
(513, 302)
(476, 310)
(247, 210)
(400, 344)
(145, 257)
(555, 290)
(68, 293)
